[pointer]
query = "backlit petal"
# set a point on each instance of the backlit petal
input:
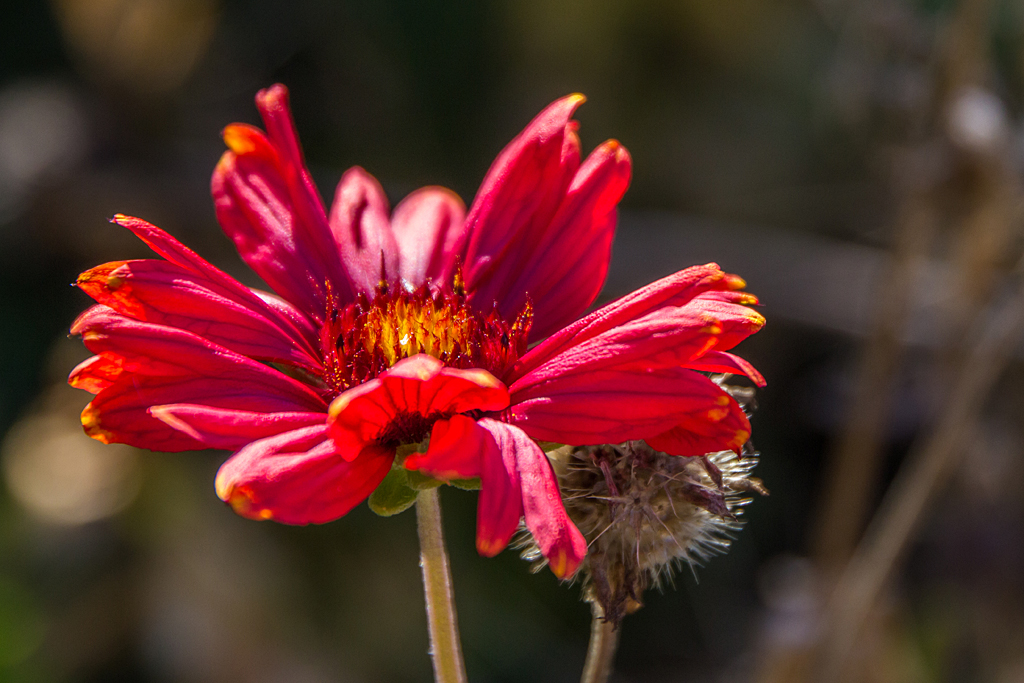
(674, 290)
(515, 205)
(611, 406)
(286, 315)
(567, 269)
(500, 505)
(165, 293)
(267, 204)
(148, 365)
(230, 428)
(429, 226)
(298, 478)
(559, 540)
(719, 361)
(361, 227)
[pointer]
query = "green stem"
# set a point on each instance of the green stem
(445, 648)
(604, 641)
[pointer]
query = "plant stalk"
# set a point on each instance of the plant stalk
(604, 641)
(445, 647)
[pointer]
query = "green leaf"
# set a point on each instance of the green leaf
(548, 446)
(466, 484)
(393, 495)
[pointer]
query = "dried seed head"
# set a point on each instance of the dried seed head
(644, 513)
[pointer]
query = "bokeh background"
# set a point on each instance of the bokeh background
(857, 161)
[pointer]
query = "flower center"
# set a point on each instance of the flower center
(363, 339)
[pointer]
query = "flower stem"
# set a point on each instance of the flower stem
(445, 647)
(604, 641)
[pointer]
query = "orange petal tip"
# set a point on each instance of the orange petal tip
(735, 282)
(92, 427)
(241, 138)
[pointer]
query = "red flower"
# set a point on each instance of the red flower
(394, 327)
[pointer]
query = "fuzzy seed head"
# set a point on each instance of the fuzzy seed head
(644, 513)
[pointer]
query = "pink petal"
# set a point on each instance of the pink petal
(146, 365)
(429, 226)
(164, 293)
(724, 427)
(559, 540)
(267, 204)
(229, 428)
(120, 413)
(361, 227)
(391, 408)
(516, 203)
(298, 478)
(610, 406)
(147, 349)
(177, 253)
(719, 361)
(675, 290)
(456, 447)
(567, 269)
(500, 505)
(95, 374)
(667, 337)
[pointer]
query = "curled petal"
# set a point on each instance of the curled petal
(566, 271)
(298, 478)
(667, 337)
(723, 427)
(95, 374)
(429, 226)
(455, 451)
(361, 227)
(150, 350)
(267, 204)
(394, 407)
(673, 291)
(229, 428)
(145, 365)
(559, 540)
(611, 406)
(720, 361)
(500, 505)
(168, 294)
(286, 315)
(516, 203)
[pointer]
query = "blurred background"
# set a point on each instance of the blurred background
(857, 161)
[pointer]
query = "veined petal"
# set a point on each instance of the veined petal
(559, 540)
(165, 293)
(720, 361)
(229, 428)
(148, 349)
(500, 505)
(391, 408)
(611, 406)
(146, 365)
(675, 290)
(721, 428)
(666, 337)
(267, 204)
(567, 269)
(298, 478)
(95, 374)
(361, 227)
(516, 203)
(429, 227)
(287, 316)
(455, 451)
